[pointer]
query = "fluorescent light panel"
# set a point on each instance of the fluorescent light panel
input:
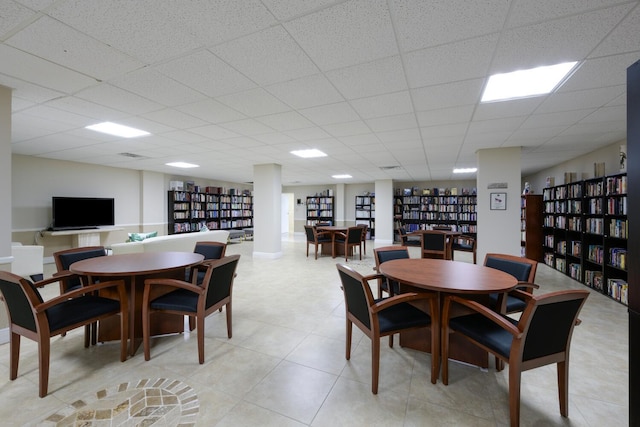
(344, 176)
(117, 130)
(183, 165)
(526, 83)
(307, 154)
(465, 170)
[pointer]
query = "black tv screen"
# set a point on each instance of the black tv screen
(82, 212)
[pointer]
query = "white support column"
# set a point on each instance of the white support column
(499, 172)
(267, 201)
(5, 175)
(339, 204)
(384, 212)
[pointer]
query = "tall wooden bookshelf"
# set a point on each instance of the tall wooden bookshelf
(320, 209)
(585, 230)
(190, 211)
(366, 213)
(531, 226)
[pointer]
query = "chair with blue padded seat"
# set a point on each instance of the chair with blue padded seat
(464, 243)
(188, 299)
(435, 244)
(408, 239)
(385, 317)
(541, 336)
(318, 238)
(350, 239)
(384, 254)
(365, 231)
(38, 320)
(523, 269)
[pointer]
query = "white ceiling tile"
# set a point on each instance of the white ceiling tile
(260, 56)
(445, 116)
(624, 38)
(600, 72)
(447, 95)
(306, 92)
(495, 125)
(330, 113)
(247, 127)
(607, 114)
(12, 13)
(383, 105)
(463, 60)
(287, 9)
(359, 140)
(581, 99)
(243, 142)
(497, 110)
(118, 99)
(456, 129)
(390, 123)
(422, 24)
(349, 33)
(202, 71)
(62, 45)
(214, 132)
(276, 138)
(347, 128)
(392, 136)
(211, 111)
(146, 83)
(254, 102)
(313, 133)
(524, 12)
(561, 118)
(174, 118)
(285, 121)
(372, 78)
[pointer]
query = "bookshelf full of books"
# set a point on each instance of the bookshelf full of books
(585, 230)
(366, 213)
(421, 209)
(320, 209)
(209, 207)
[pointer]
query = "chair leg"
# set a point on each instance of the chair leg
(200, 334)
(514, 394)
(563, 387)
(228, 310)
(146, 331)
(124, 334)
(15, 355)
(348, 344)
(44, 348)
(375, 363)
(444, 350)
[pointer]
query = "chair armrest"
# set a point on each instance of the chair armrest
(174, 283)
(374, 276)
(323, 233)
(400, 298)
(55, 278)
(480, 309)
(526, 287)
(82, 291)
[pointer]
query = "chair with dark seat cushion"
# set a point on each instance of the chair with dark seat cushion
(523, 269)
(210, 250)
(38, 320)
(541, 337)
(351, 239)
(187, 299)
(464, 243)
(317, 238)
(384, 254)
(434, 244)
(65, 258)
(387, 316)
(365, 230)
(408, 239)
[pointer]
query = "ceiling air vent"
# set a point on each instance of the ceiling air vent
(132, 155)
(390, 168)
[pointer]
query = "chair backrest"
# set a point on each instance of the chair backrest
(442, 228)
(548, 322)
(210, 250)
(357, 294)
(388, 253)
(309, 230)
(434, 243)
(218, 279)
(365, 228)
(65, 258)
(523, 269)
(20, 297)
(354, 235)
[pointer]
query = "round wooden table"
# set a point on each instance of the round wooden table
(447, 277)
(136, 268)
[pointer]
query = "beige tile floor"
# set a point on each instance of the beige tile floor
(285, 364)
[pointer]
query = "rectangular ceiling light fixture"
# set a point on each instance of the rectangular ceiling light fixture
(465, 170)
(183, 165)
(344, 176)
(117, 130)
(526, 83)
(308, 154)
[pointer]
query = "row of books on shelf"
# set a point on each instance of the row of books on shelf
(617, 184)
(618, 258)
(618, 289)
(619, 228)
(438, 216)
(366, 214)
(320, 206)
(617, 205)
(453, 191)
(595, 254)
(321, 214)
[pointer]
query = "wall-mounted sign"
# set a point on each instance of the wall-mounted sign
(494, 185)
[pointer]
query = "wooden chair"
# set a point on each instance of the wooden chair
(365, 228)
(316, 238)
(523, 269)
(464, 243)
(541, 337)
(408, 239)
(210, 250)
(434, 244)
(350, 239)
(38, 320)
(388, 253)
(384, 317)
(188, 299)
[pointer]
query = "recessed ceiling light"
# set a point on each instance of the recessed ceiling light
(117, 130)
(525, 83)
(344, 176)
(465, 170)
(183, 165)
(307, 154)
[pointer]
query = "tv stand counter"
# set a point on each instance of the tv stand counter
(84, 237)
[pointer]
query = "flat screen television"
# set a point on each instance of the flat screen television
(82, 212)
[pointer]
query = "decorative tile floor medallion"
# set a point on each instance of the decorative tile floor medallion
(147, 402)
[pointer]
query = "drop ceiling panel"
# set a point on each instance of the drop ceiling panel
(383, 105)
(346, 129)
(306, 92)
(369, 79)
(447, 95)
(118, 99)
(445, 116)
(211, 111)
(624, 38)
(254, 102)
(583, 99)
(174, 118)
(146, 83)
(285, 121)
(330, 113)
